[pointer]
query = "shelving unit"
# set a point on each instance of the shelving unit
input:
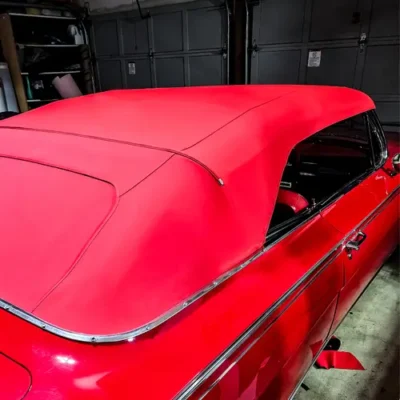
(41, 100)
(41, 16)
(48, 45)
(38, 48)
(54, 72)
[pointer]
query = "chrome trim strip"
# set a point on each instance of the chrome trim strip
(251, 345)
(332, 333)
(291, 397)
(285, 185)
(381, 137)
(189, 389)
(206, 373)
(119, 337)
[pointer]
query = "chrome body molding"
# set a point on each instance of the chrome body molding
(205, 374)
(381, 138)
(291, 397)
(196, 382)
(129, 335)
(326, 262)
(295, 390)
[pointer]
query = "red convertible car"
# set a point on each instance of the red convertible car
(199, 243)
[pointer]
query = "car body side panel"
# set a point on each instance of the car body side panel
(271, 368)
(15, 380)
(382, 236)
(367, 200)
(347, 212)
(372, 208)
(272, 361)
(286, 382)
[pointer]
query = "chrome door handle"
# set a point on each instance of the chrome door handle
(355, 244)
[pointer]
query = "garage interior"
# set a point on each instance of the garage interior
(140, 44)
(345, 43)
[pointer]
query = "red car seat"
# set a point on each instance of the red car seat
(294, 200)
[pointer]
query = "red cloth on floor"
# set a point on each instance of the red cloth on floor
(338, 359)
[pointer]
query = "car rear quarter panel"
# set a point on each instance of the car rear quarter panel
(274, 357)
(15, 380)
(159, 364)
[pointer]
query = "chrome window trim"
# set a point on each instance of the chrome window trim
(372, 115)
(190, 389)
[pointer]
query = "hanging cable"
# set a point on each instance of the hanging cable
(140, 10)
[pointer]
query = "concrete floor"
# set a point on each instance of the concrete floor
(371, 331)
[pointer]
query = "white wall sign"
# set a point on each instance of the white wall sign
(132, 68)
(314, 58)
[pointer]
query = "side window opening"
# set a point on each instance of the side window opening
(378, 142)
(319, 168)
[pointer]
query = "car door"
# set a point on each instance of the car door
(368, 218)
(278, 350)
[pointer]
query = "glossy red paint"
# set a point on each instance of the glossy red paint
(275, 356)
(15, 380)
(160, 240)
(381, 228)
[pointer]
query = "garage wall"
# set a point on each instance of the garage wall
(180, 45)
(107, 6)
(358, 41)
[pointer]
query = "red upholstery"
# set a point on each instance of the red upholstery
(292, 199)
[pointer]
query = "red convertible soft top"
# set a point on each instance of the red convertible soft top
(122, 208)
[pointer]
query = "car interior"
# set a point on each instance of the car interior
(320, 166)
